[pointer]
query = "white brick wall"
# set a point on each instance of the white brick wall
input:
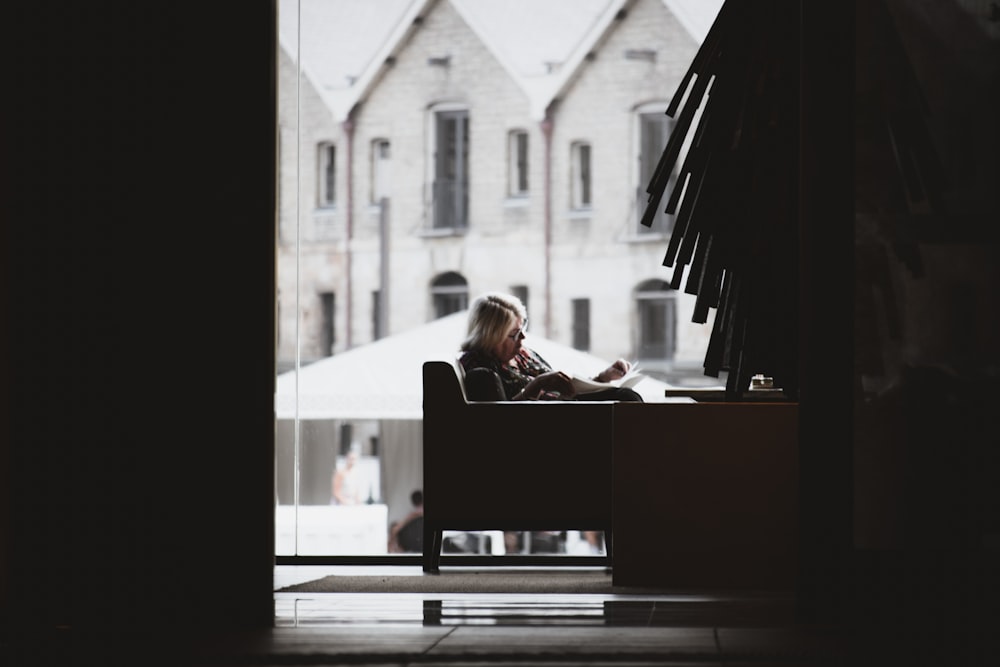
(597, 258)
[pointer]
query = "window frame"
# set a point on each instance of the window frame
(449, 293)
(581, 323)
(647, 159)
(581, 176)
(328, 323)
(326, 175)
(450, 194)
(518, 161)
(379, 166)
(646, 295)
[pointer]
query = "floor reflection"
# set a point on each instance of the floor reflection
(333, 609)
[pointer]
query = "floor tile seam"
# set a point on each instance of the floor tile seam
(437, 642)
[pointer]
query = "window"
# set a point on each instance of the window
(326, 334)
(521, 292)
(657, 311)
(327, 186)
(380, 170)
(517, 160)
(378, 321)
(580, 185)
(451, 170)
(654, 131)
(450, 294)
(581, 324)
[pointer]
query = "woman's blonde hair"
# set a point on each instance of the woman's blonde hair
(490, 317)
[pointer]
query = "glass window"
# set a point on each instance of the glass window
(450, 294)
(654, 131)
(380, 154)
(326, 334)
(521, 292)
(377, 321)
(657, 312)
(581, 324)
(451, 170)
(517, 158)
(327, 186)
(580, 186)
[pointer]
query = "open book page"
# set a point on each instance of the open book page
(588, 385)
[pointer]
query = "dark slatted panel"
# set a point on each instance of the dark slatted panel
(735, 239)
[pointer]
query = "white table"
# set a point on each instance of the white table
(331, 530)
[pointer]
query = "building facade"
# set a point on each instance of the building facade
(481, 152)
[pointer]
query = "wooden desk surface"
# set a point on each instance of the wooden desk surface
(718, 395)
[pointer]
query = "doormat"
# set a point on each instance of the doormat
(469, 581)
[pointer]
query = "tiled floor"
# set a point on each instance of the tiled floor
(494, 629)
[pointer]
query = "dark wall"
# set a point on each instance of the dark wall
(137, 191)
(926, 469)
(139, 143)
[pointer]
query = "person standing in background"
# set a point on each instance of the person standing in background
(346, 482)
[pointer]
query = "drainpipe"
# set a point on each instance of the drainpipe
(547, 186)
(348, 127)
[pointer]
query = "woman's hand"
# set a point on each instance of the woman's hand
(554, 381)
(615, 371)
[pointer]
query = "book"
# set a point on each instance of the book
(589, 385)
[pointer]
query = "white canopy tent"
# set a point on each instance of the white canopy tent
(383, 379)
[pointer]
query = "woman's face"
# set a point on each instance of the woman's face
(510, 344)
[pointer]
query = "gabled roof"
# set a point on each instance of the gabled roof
(543, 43)
(344, 43)
(695, 15)
(540, 43)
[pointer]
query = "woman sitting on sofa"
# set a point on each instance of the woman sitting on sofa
(498, 367)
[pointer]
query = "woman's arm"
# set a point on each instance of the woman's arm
(555, 381)
(615, 371)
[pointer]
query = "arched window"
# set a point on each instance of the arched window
(449, 293)
(656, 308)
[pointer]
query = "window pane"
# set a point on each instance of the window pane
(380, 170)
(518, 159)
(657, 327)
(328, 174)
(585, 175)
(654, 132)
(581, 324)
(450, 294)
(327, 335)
(451, 201)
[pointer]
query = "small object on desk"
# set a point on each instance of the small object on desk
(758, 392)
(699, 394)
(762, 389)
